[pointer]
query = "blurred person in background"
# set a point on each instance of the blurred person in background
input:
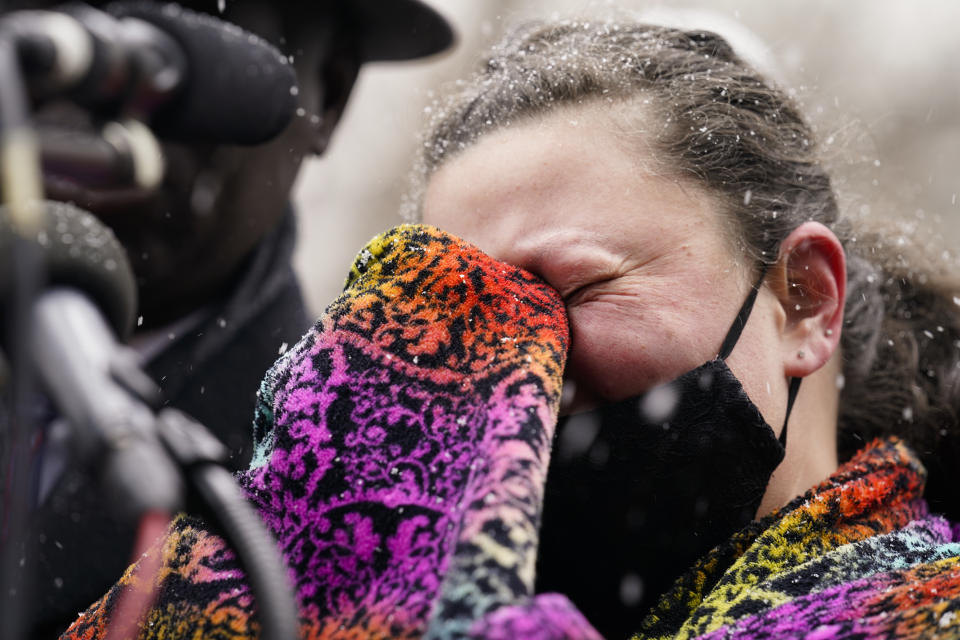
(211, 251)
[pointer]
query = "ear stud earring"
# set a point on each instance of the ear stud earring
(801, 354)
(828, 332)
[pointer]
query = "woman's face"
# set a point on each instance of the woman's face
(640, 256)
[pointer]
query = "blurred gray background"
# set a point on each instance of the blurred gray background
(880, 80)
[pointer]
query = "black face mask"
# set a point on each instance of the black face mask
(638, 490)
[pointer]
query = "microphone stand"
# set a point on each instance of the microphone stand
(146, 454)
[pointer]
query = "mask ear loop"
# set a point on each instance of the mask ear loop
(791, 396)
(741, 320)
(733, 335)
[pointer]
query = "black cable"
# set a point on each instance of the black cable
(14, 106)
(26, 267)
(227, 511)
(241, 525)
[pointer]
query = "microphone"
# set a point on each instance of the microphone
(123, 155)
(78, 251)
(94, 381)
(189, 75)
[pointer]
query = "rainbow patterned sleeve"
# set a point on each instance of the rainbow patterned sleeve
(401, 449)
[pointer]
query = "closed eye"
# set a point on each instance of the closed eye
(586, 291)
(571, 297)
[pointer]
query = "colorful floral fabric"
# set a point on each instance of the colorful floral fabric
(401, 452)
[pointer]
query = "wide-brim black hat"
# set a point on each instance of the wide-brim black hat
(398, 29)
(386, 29)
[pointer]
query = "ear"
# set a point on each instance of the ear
(810, 281)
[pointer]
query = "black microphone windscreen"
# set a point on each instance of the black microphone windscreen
(239, 88)
(81, 252)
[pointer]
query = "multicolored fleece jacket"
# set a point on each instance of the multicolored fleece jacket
(401, 454)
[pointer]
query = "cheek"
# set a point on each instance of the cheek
(621, 350)
(624, 345)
